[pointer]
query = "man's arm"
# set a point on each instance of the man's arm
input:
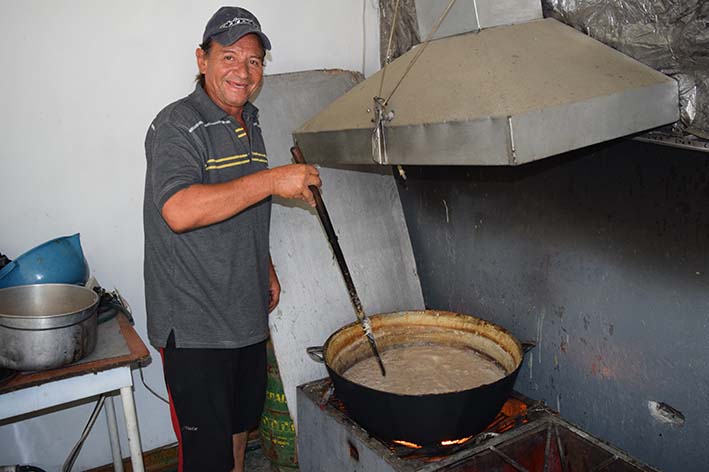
(204, 204)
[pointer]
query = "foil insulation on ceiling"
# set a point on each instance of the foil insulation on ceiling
(671, 36)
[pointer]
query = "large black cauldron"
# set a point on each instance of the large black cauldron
(430, 418)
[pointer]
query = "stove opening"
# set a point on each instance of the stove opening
(513, 414)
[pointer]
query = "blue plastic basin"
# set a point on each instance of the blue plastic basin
(59, 261)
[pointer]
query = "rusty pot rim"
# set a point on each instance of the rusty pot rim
(32, 307)
(449, 314)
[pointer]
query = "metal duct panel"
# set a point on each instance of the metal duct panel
(485, 141)
(506, 95)
(553, 130)
(471, 15)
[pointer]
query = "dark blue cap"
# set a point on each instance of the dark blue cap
(229, 24)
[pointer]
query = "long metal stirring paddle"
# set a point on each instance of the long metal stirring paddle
(332, 238)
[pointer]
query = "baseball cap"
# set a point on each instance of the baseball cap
(229, 24)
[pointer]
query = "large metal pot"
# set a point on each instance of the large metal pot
(430, 418)
(46, 326)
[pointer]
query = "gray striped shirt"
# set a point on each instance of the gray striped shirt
(209, 285)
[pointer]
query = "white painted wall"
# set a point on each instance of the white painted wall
(81, 82)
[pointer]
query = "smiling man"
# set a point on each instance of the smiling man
(209, 279)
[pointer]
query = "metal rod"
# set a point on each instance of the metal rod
(562, 455)
(516, 465)
(110, 410)
(136, 452)
(605, 463)
(547, 449)
(339, 256)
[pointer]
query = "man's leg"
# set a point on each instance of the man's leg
(202, 403)
(239, 442)
(250, 378)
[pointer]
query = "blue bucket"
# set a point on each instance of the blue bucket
(59, 261)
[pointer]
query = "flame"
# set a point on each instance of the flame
(505, 428)
(454, 442)
(447, 442)
(408, 444)
(513, 413)
(513, 407)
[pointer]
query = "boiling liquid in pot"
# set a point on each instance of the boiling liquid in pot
(424, 369)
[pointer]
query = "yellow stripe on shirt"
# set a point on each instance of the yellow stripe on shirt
(231, 164)
(223, 159)
(257, 159)
(259, 154)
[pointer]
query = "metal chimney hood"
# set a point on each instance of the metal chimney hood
(503, 95)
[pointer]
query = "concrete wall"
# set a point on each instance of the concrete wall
(81, 81)
(601, 257)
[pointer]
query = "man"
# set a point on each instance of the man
(209, 279)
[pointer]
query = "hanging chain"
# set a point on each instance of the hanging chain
(421, 49)
(381, 114)
(387, 57)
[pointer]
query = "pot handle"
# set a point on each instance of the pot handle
(528, 346)
(316, 353)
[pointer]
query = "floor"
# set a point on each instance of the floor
(165, 460)
(257, 462)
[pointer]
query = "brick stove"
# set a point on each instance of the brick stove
(525, 437)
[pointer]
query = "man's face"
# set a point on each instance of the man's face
(233, 73)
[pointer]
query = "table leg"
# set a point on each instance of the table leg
(136, 453)
(110, 411)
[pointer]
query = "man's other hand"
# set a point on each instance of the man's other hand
(274, 287)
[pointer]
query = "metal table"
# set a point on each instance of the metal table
(36, 391)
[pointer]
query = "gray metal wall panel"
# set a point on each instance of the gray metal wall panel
(601, 255)
(366, 212)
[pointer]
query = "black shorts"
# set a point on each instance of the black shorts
(214, 393)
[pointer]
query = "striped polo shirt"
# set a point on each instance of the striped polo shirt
(208, 285)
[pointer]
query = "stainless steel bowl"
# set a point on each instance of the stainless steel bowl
(47, 325)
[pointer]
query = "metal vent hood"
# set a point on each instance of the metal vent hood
(504, 94)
